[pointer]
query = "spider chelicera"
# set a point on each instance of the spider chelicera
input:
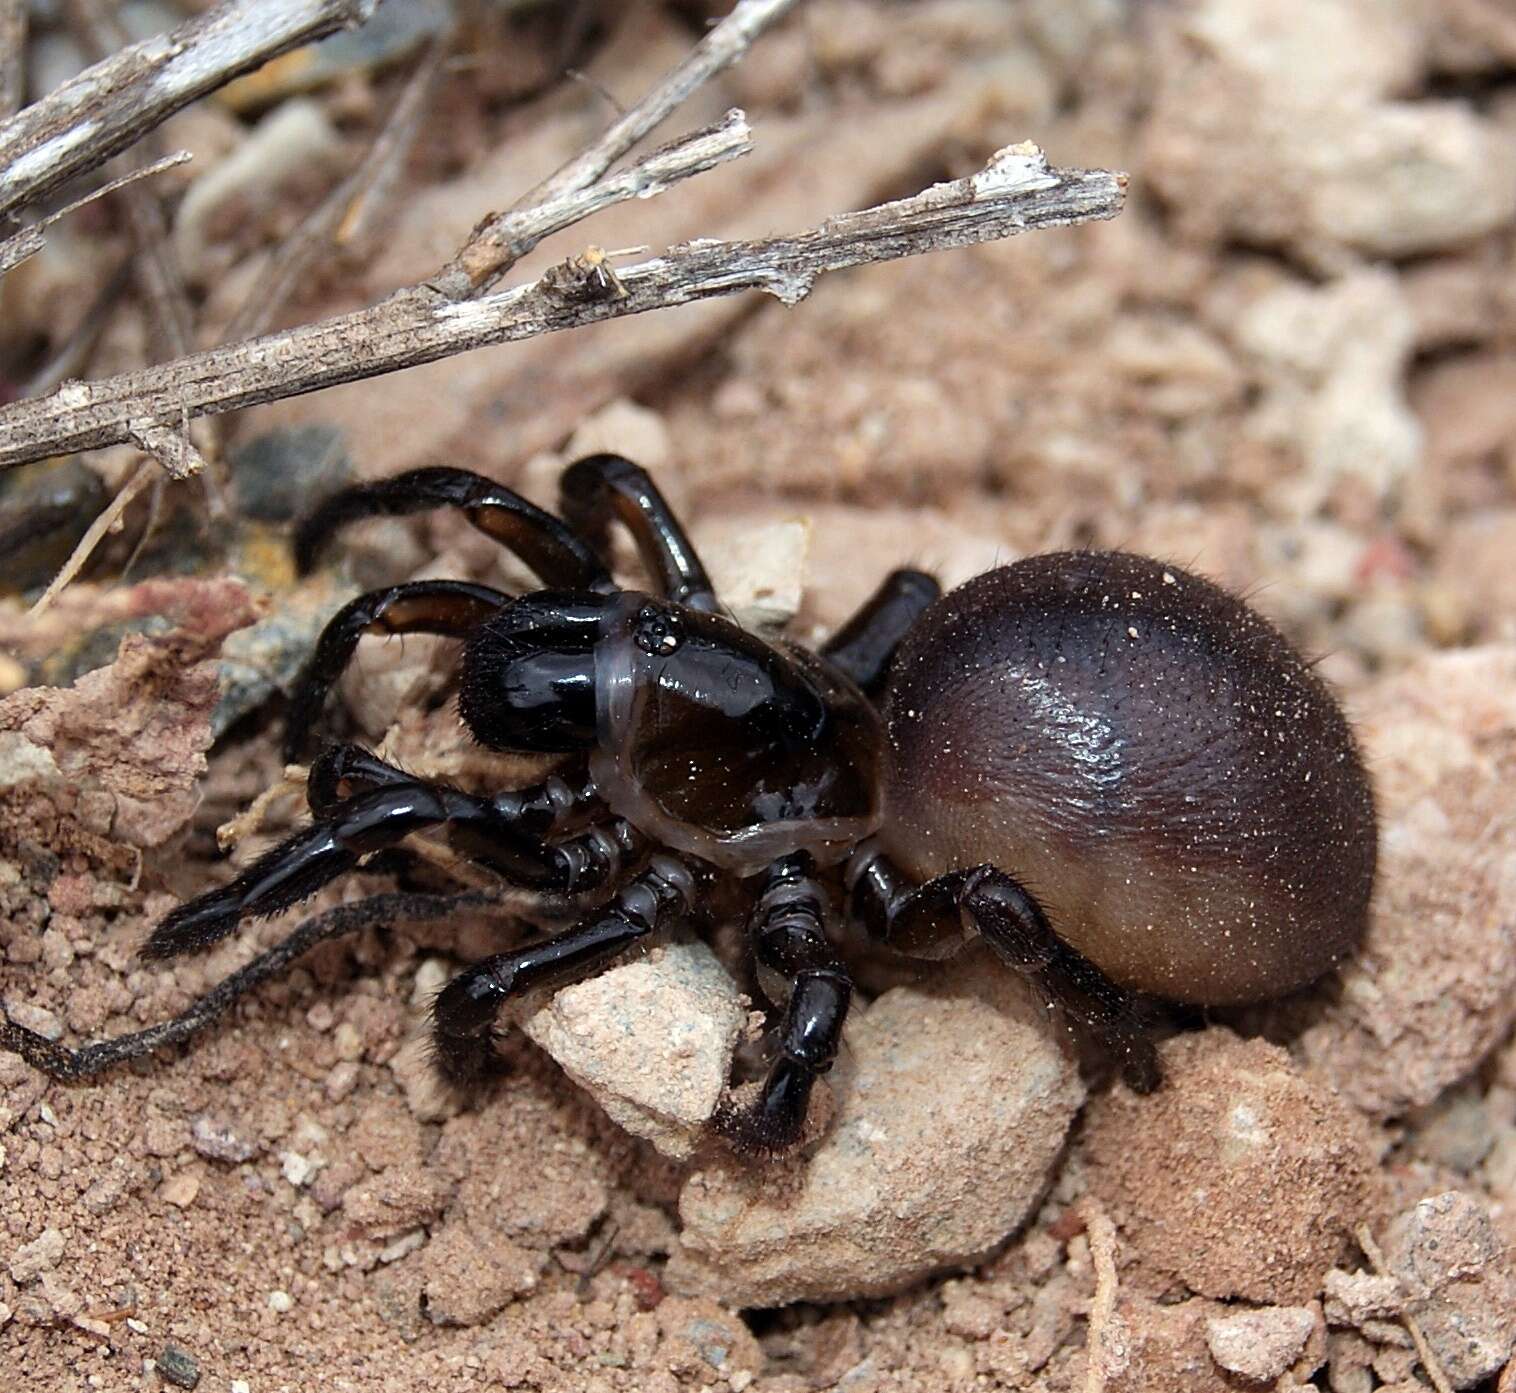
(1113, 771)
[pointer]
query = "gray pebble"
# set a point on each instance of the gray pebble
(284, 473)
(178, 1368)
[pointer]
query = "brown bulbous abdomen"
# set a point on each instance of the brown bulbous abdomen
(1151, 759)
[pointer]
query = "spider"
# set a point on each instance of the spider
(1113, 771)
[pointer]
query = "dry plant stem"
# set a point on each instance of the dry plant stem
(1102, 1235)
(496, 246)
(96, 534)
(1016, 192)
(173, 449)
(251, 819)
(12, 56)
(28, 242)
(1429, 1361)
(330, 219)
(108, 106)
(155, 266)
(179, 459)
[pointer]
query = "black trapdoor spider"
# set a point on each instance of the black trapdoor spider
(1148, 753)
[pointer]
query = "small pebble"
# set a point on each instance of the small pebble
(284, 473)
(296, 1168)
(105, 1193)
(408, 1242)
(348, 1041)
(180, 1190)
(1260, 1344)
(341, 1081)
(431, 976)
(1448, 1256)
(178, 1368)
(41, 1255)
(321, 1016)
(37, 1018)
(220, 1141)
(280, 1302)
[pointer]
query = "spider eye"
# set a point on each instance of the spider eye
(657, 632)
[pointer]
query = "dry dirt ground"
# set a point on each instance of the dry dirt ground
(1290, 364)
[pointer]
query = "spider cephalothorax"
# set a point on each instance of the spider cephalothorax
(1115, 772)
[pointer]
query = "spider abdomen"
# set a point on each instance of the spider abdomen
(1150, 757)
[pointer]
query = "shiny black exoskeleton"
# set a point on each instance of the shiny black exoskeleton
(1176, 783)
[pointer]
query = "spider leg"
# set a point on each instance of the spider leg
(557, 804)
(797, 965)
(464, 1013)
(599, 488)
(537, 537)
(504, 832)
(71, 1065)
(452, 608)
(928, 921)
(865, 645)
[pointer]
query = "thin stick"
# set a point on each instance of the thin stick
(1102, 1235)
(340, 209)
(156, 268)
(108, 106)
(28, 242)
(96, 534)
(1015, 192)
(12, 57)
(1429, 1361)
(493, 248)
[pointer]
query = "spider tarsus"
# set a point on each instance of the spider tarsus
(194, 925)
(1141, 1070)
(774, 1122)
(463, 1018)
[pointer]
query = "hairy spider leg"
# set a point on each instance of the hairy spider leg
(796, 965)
(927, 921)
(865, 645)
(546, 545)
(464, 1013)
(599, 488)
(451, 608)
(377, 911)
(502, 832)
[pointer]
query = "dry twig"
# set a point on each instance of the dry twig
(108, 106)
(29, 241)
(156, 268)
(109, 517)
(497, 245)
(1429, 1360)
(1015, 192)
(340, 209)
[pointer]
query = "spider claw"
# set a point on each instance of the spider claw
(194, 925)
(773, 1122)
(1141, 1070)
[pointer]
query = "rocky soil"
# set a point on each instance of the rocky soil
(1289, 365)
